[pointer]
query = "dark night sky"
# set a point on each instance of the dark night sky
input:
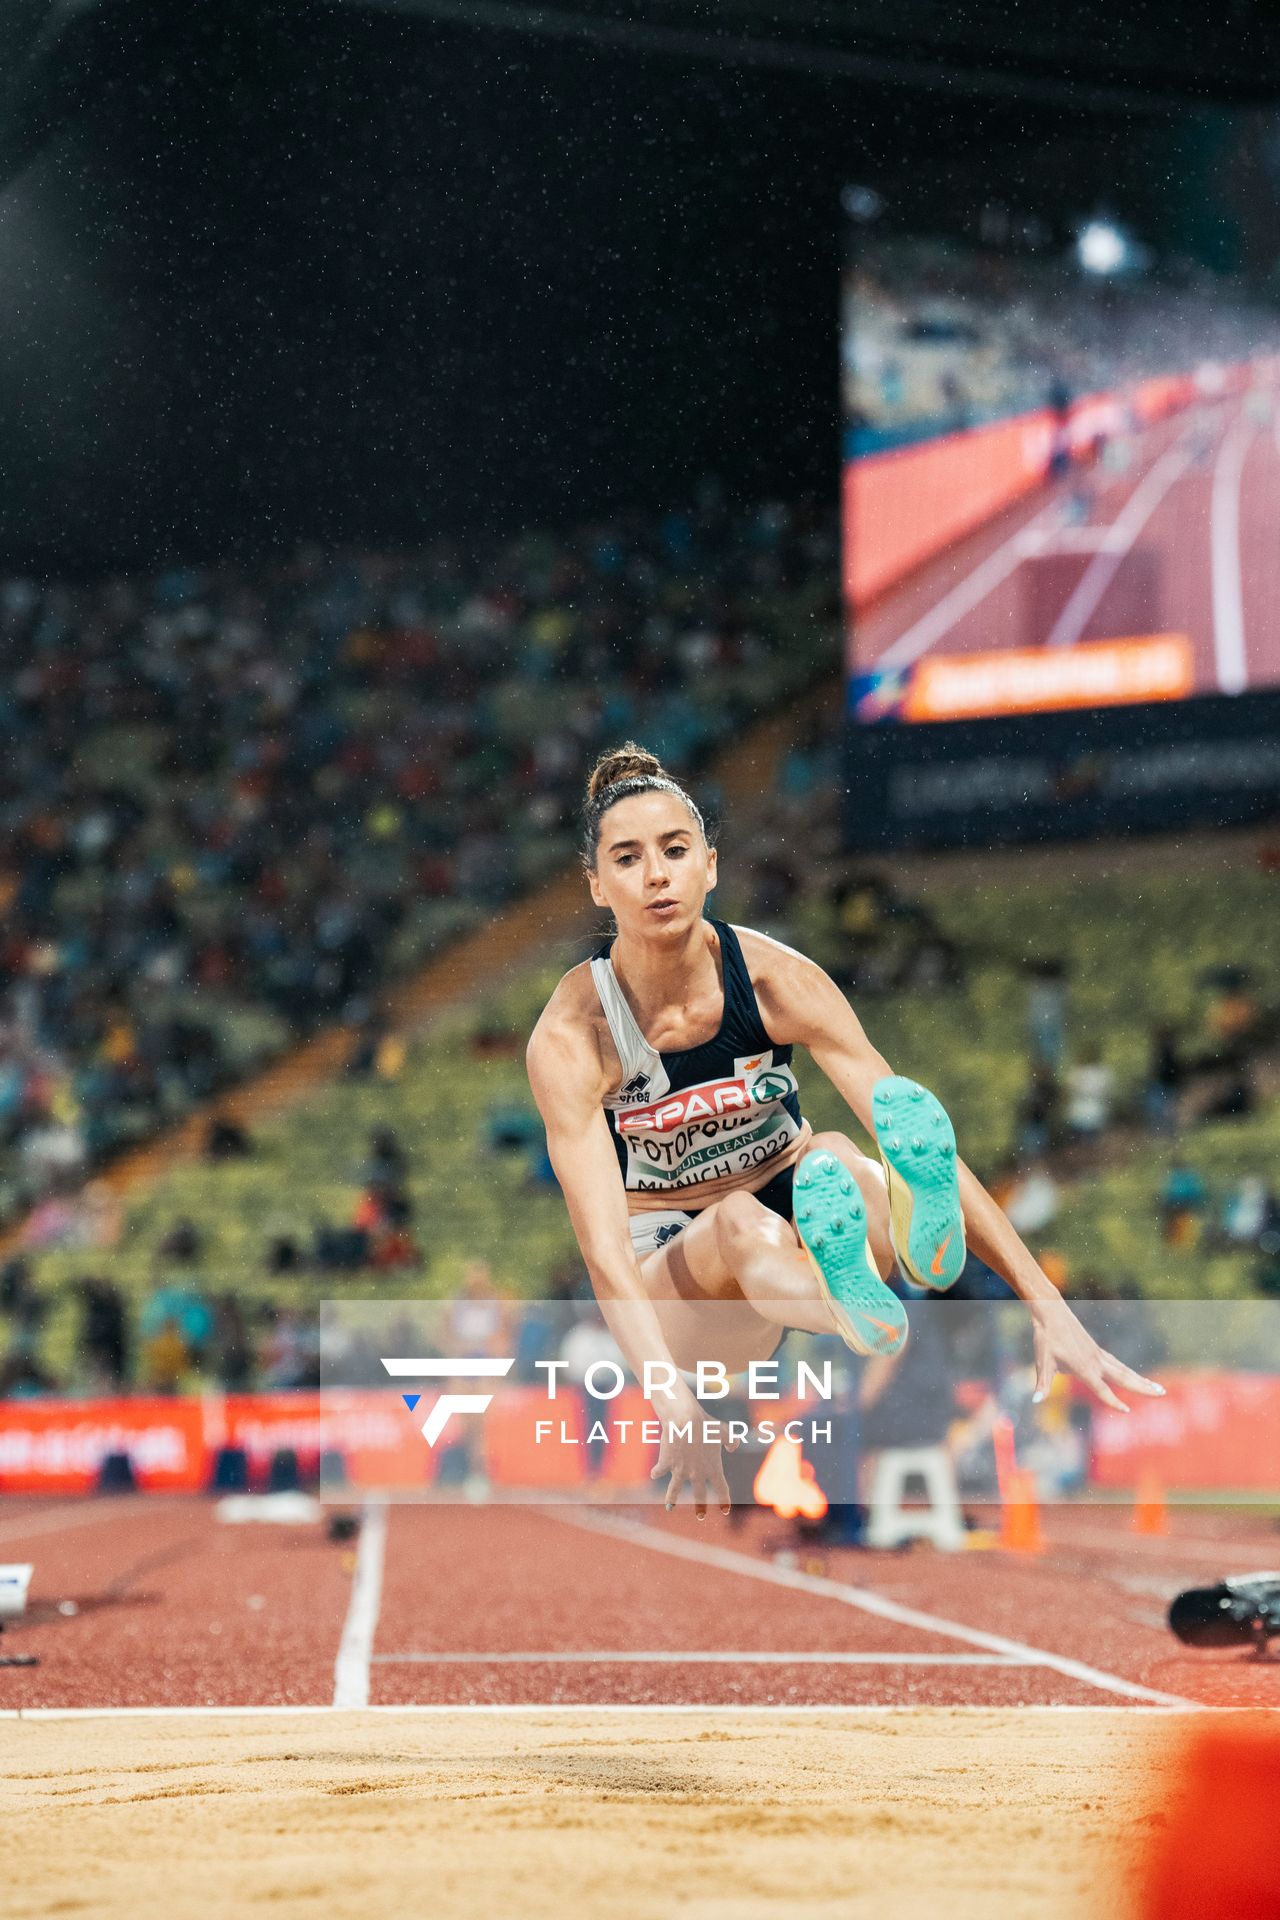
(352, 277)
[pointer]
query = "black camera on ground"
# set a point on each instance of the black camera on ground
(1241, 1611)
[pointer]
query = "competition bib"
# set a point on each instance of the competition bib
(709, 1131)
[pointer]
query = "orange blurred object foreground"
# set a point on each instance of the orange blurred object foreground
(787, 1483)
(1218, 1858)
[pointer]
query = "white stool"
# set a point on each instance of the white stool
(890, 1523)
(14, 1581)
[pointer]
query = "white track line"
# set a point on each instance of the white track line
(355, 1650)
(1121, 535)
(531, 1708)
(966, 594)
(1069, 540)
(728, 1561)
(1224, 550)
(702, 1658)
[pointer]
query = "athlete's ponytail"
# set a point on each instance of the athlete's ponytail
(617, 775)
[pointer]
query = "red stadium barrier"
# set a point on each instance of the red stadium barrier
(1213, 1432)
(58, 1446)
(903, 507)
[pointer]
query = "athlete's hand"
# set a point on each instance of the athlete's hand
(1061, 1342)
(682, 1458)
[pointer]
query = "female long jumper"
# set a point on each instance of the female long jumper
(662, 1070)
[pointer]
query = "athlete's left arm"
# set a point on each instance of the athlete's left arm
(798, 999)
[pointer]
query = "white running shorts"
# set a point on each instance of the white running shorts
(649, 1231)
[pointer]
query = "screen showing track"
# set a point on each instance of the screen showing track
(1061, 477)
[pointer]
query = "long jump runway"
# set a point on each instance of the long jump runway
(154, 1603)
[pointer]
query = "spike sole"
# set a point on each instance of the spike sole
(831, 1220)
(918, 1147)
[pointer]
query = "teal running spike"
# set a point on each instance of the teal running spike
(918, 1147)
(832, 1223)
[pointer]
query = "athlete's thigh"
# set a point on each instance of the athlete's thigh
(700, 1305)
(691, 1264)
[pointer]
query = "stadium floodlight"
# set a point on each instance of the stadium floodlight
(862, 204)
(1101, 247)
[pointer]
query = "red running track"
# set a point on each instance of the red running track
(501, 1606)
(1185, 538)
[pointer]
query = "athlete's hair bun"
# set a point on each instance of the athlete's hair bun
(627, 762)
(618, 774)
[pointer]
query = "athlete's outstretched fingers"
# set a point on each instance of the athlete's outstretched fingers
(664, 1471)
(1107, 1397)
(1125, 1376)
(1046, 1366)
(1096, 1381)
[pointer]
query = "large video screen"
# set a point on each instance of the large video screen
(1061, 476)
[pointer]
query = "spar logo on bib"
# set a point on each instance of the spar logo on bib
(756, 1082)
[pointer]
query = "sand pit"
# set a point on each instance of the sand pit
(708, 1817)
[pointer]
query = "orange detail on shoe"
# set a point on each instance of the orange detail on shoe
(883, 1325)
(936, 1266)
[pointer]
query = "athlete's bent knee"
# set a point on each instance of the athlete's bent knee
(838, 1143)
(740, 1215)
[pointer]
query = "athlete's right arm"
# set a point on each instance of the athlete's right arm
(569, 1081)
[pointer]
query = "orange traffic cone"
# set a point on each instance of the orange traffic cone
(1020, 1515)
(1150, 1514)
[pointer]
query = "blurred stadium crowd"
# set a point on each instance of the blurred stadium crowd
(937, 338)
(236, 801)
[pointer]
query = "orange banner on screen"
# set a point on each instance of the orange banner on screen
(1097, 673)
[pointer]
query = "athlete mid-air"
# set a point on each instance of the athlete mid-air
(662, 1070)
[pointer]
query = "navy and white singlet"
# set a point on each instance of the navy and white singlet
(681, 1122)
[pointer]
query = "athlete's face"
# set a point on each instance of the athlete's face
(653, 869)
